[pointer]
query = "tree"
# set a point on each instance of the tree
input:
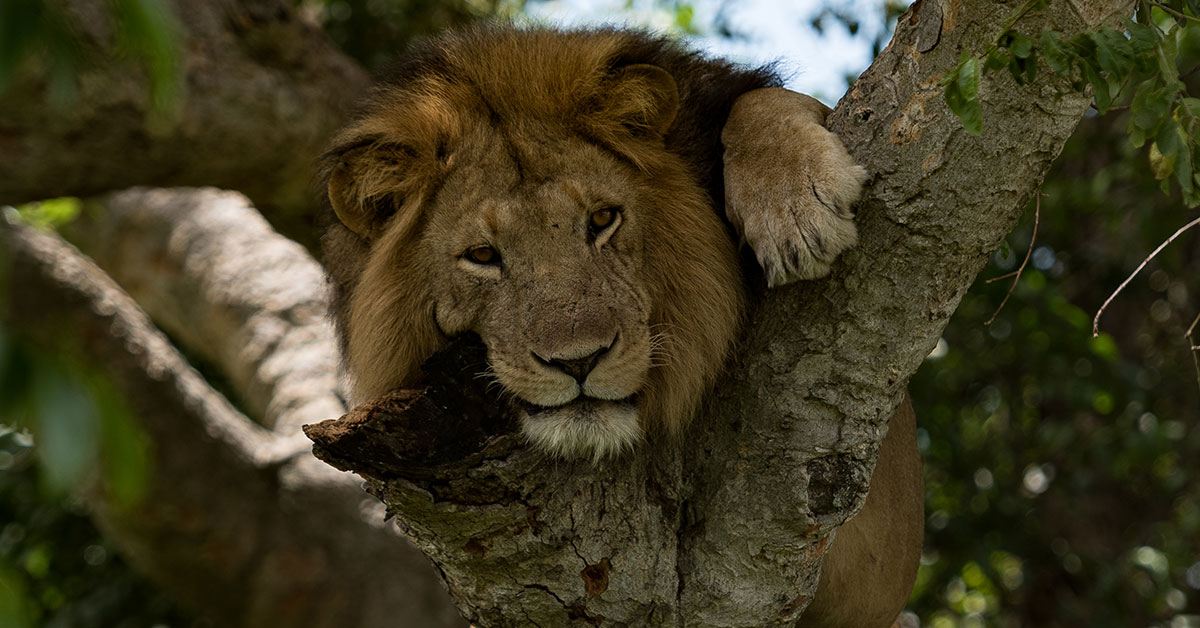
(837, 354)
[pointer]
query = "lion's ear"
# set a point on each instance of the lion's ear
(644, 98)
(367, 185)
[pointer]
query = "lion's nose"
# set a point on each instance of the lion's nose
(577, 368)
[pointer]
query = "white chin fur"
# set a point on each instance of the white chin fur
(586, 429)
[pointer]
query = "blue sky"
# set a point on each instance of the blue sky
(812, 62)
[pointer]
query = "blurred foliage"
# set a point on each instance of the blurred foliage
(1149, 51)
(52, 213)
(55, 568)
(41, 33)
(375, 31)
(34, 31)
(1062, 471)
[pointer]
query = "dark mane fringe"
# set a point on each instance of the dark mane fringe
(562, 59)
(707, 86)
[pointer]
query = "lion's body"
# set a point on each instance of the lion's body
(561, 194)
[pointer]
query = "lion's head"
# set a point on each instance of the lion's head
(551, 192)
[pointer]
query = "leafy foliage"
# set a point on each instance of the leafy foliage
(56, 570)
(41, 33)
(34, 30)
(376, 31)
(962, 93)
(1061, 470)
(1148, 52)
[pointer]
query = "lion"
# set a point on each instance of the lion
(576, 198)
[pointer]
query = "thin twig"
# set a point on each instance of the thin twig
(1195, 348)
(1192, 327)
(1177, 14)
(1196, 361)
(1001, 277)
(1096, 320)
(1037, 212)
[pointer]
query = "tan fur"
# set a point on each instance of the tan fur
(667, 285)
(868, 573)
(511, 140)
(789, 184)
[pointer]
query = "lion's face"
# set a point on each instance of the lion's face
(597, 273)
(548, 267)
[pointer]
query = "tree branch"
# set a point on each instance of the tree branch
(238, 522)
(212, 273)
(727, 528)
(262, 92)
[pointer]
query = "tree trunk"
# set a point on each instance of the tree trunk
(262, 90)
(239, 522)
(727, 529)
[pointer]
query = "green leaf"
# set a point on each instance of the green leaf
(1023, 70)
(968, 78)
(1021, 46)
(996, 59)
(1101, 91)
(1057, 56)
(1160, 165)
(14, 601)
(1114, 53)
(1171, 154)
(1143, 43)
(51, 213)
(148, 29)
(1136, 136)
(685, 18)
(1167, 56)
(124, 447)
(1103, 346)
(67, 431)
(1183, 169)
(1151, 104)
(1191, 105)
(962, 93)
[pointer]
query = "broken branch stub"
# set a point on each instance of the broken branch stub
(414, 433)
(512, 531)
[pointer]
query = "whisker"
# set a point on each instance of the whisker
(660, 349)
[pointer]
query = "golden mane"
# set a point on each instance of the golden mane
(383, 170)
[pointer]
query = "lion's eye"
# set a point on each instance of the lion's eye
(483, 255)
(602, 219)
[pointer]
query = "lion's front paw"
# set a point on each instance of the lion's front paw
(789, 185)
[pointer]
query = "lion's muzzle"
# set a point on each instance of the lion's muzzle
(585, 428)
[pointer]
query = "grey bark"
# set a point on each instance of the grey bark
(212, 273)
(727, 529)
(239, 522)
(262, 90)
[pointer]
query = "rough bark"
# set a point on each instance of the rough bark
(727, 528)
(262, 90)
(238, 522)
(212, 273)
